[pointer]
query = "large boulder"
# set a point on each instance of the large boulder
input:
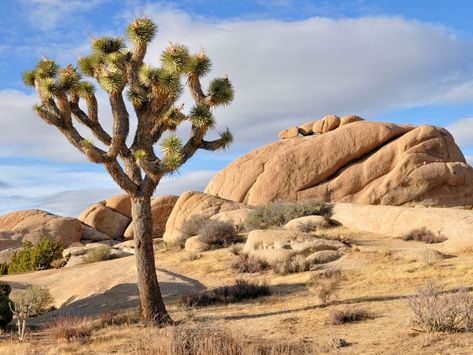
(365, 162)
(105, 220)
(194, 203)
(33, 225)
(161, 208)
(275, 246)
(93, 235)
(121, 204)
(395, 221)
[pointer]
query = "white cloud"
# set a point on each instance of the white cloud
(46, 14)
(462, 131)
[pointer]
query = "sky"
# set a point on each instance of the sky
(290, 61)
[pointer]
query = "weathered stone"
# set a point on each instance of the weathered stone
(105, 220)
(196, 244)
(290, 132)
(121, 204)
(323, 257)
(301, 223)
(306, 128)
(91, 234)
(350, 119)
(366, 162)
(326, 124)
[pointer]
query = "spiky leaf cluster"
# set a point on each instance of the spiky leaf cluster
(86, 144)
(220, 92)
(140, 155)
(199, 65)
(174, 117)
(226, 138)
(175, 58)
(49, 88)
(46, 69)
(172, 161)
(29, 77)
(170, 83)
(106, 45)
(85, 89)
(68, 78)
(201, 117)
(112, 80)
(141, 31)
(137, 98)
(171, 145)
(89, 64)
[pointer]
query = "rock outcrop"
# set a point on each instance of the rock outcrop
(395, 221)
(121, 204)
(33, 225)
(360, 161)
(193, 203)
(105, 220)
(161, 208)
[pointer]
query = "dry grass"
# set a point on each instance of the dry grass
(100, 253)
(324, 284)
(246, 264)
(204, 340)
(424, 235)
(70, 329)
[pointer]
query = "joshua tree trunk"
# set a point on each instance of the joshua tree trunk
(153, 308)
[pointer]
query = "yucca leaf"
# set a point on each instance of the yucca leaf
(85, 89)
(171, 144)
(68, 78)
(46, 69)
(172, 162)
(199, 65)
(201, 117)
(141, 31)
(220, 92)
(140, 155)
(112, 80)
(170, 82)
(175, 58)
(29, 77)
(148, 76)
(48, 88)
(137, 98)
(107, 45)
(226, 137)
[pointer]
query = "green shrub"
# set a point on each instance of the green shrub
(39, 257)
(3, 268)
(218, 233)
(6, 313)
(276, 214)
(100, 253)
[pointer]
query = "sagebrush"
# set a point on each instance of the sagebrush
(424, 235)
(38, 257)
(276, 214)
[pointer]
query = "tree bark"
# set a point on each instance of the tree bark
(152, 304)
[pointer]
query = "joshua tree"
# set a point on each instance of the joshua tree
(153, 91)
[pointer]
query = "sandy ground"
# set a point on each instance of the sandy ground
(379, 273)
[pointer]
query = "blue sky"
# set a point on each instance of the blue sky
(290, 61)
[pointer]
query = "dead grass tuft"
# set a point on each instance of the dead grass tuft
(424, 235)
(349, 315)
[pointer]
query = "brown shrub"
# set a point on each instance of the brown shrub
(116, 319)
(246, 264)
(296, 263)
(192, 225)
(70, 329)
(424, 235)
(100, 253)
(438, 311)
(218, 233)
(241, 290)
(349, 315)
(324, 284)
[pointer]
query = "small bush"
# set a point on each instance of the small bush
(276, 214)
(70, 329)
(6, 313)
(218, 233)
(349, 315)
(308, 227)
(3, 268)
(39, 257)
(192, 225)
(100, 253)
(246, 264)
(325, 284)
(241, 290)
(438, 311)
(296, 263)
(424, 235)
(122, 318)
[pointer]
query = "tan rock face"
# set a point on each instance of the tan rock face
(121, 204)
(350, 119)
(365, 162)
(161, 208)
(395, 221)
(326, 124)
(196, 244)
(290, 132)
(194, 203)
(306, 128)
(33, 225)
(105, 220)
(315, 222)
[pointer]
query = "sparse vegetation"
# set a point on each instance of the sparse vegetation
(246, 264)
(39, 257)
(424, 235)
(33, 301)
(200, 340)
(295, 263)
(308, 227)
(215, 233)
(324, 284)
(436, 310)
(241, 290)
(100, 253)
(70, 328)
(349, 315)
(276, 214)
(3, 268)
(6, 312)
(121, 318)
